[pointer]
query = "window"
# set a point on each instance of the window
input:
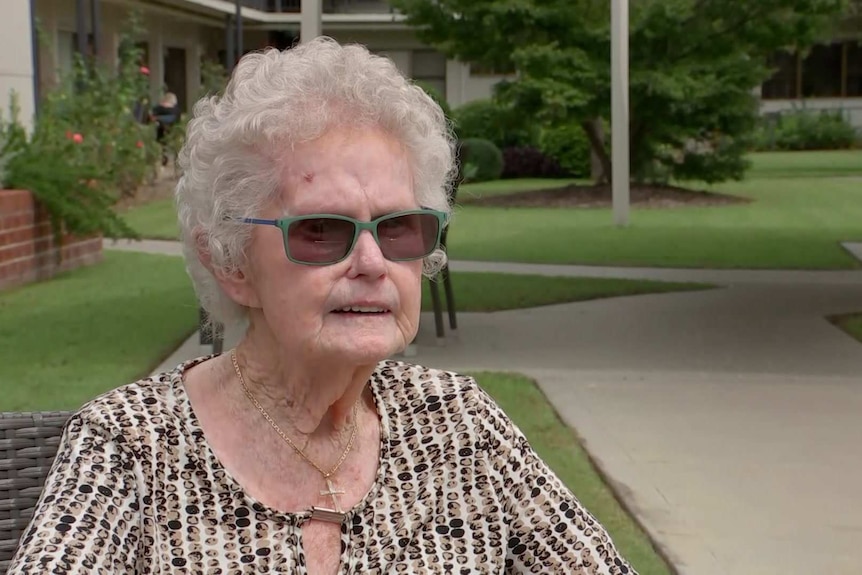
(429, 68)
(827, 71)
(853, 85)
(822, 72)
(784, 81)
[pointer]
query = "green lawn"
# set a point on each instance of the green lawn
(65, 341)
(487, 292)
(796, 221)
(806, 164)
(155, 221)
(519, 397)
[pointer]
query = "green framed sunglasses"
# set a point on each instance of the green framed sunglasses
(326, 239)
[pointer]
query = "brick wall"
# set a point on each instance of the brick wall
(28, 250)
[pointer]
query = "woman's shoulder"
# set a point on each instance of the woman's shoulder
(402, 375)
(406, 383)
(137, 407)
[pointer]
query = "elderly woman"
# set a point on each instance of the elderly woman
(314, 192)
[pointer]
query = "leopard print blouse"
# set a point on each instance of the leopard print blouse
(136, 489)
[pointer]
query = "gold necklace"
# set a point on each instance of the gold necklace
(331, 515)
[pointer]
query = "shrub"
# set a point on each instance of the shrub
(86, 146)
(489, 120)
(96, 104)
(805, 130)
(71, 191)
(568, 145)
(214, 78)
(529, 162)
(7, 150)
(481, 160)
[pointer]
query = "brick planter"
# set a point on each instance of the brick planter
(28, 249)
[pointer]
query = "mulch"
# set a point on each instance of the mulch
(592, 196)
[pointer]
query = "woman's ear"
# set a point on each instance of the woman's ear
(234, 282)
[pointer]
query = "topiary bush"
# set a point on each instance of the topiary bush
(481, 160)
(568, 145)
(492, 121)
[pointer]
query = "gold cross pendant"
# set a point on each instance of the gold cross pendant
(330, 515)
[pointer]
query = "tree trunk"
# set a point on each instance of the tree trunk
(593, 129)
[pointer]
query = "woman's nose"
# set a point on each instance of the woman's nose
(367, 258)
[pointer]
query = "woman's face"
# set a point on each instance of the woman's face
(364, 174)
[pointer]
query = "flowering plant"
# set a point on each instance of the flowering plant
(87, 147)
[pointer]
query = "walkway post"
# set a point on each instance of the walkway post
(621, 177)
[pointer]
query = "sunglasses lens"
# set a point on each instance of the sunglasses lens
(408, 236)
(319, 240)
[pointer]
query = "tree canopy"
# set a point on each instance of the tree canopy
(695, 66)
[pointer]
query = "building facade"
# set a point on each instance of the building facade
(181, 33)
(16, 59)
(828, 76)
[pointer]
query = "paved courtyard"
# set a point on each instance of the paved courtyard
(728, 420)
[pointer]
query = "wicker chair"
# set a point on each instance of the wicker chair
(28, 444)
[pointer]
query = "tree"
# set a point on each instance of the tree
(695, 66)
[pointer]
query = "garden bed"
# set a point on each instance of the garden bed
(592, 196)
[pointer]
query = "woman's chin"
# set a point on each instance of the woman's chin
(367, 349)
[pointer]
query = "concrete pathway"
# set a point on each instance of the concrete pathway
(729, 420)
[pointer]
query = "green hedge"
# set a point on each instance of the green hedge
(806, 130)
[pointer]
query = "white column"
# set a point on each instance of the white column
(620, 109)
(16, 60)
(457, 76)
(310, 19)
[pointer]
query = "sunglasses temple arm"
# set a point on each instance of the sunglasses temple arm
(258, 221)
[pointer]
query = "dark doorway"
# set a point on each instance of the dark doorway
(175, 75)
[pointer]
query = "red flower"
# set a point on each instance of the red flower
(139, 144)
(68, 135)
(145, 71)
(77, 138)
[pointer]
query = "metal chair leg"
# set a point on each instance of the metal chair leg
(450, 298)
(438, 312)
